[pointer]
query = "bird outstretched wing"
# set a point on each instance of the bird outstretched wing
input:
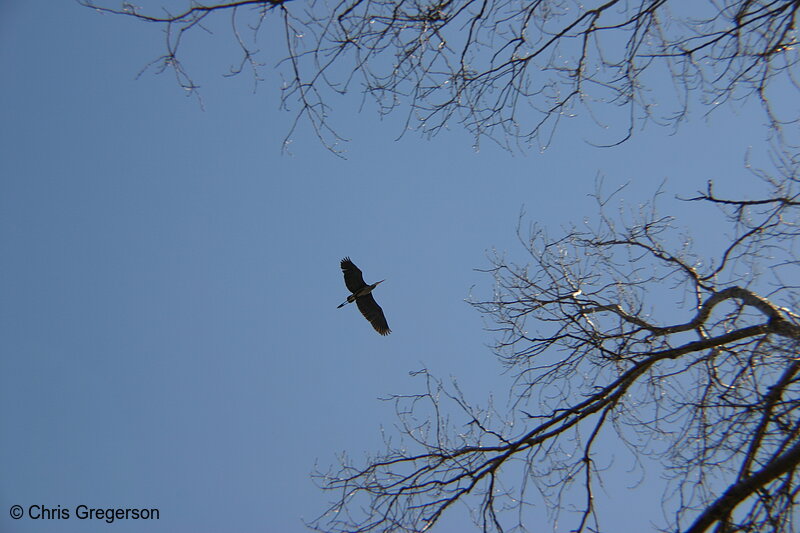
(353, 279)
(373, 312)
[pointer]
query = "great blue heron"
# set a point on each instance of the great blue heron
(362, 296)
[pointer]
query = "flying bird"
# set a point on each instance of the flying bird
(362, 296)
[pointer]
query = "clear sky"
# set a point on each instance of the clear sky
(169, 335)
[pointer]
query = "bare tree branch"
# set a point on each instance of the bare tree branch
(511, 70)
(588, 330)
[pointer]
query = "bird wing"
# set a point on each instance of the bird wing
(353, 278)
(373, 312)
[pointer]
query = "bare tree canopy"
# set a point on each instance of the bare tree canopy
(507, 70)
(619, 333)
(618, 330)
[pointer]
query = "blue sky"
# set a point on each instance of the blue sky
(168, 320)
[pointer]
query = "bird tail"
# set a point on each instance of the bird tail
(351, 298)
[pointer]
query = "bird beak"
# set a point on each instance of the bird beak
(381, 281)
